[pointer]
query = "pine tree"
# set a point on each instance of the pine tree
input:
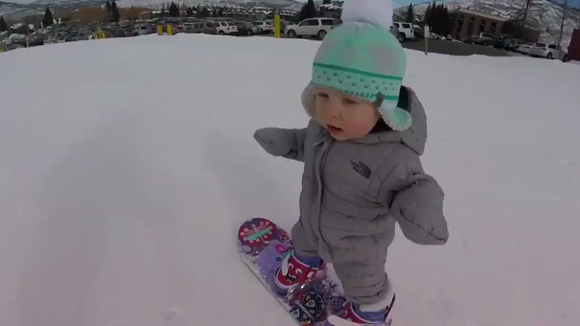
(437, 17)
(115, 12)
(189, 12)
(3, 25)
(428, 15)
(47, 20)
(308, 10)
(108, 6)
(173, 10)
(410, 18)
(326, 2)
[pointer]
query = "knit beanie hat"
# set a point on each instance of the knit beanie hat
(363, 59)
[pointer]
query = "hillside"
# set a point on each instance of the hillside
(544, 16)
(231, 3)
(15, 11)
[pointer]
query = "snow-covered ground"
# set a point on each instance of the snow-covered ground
(126, 166)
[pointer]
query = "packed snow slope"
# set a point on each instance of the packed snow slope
(127, 166)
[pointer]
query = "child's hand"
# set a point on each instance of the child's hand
(276, 141)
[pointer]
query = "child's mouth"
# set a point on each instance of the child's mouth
(334, 130)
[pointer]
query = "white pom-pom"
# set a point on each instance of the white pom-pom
(376, 12)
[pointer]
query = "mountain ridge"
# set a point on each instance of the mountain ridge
(15, 11)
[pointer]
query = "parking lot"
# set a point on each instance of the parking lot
(456, 48)
(225, 26)
(447, 47)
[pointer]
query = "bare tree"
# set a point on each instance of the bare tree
(526, 13)
(563, 15)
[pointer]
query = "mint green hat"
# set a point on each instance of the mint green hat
(364, 60)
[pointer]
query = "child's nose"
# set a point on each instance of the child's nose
(334, 111)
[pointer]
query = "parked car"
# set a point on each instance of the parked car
(552, 51)
(82, 36)
(191, 28)
(394, 31)
(226, 28)
(210, 28)
(265, 26)
(60, 37)
(565, 58)
(312, 27)
(526, 48)
(12, 46)
(49, 39)
(485, 39)
(405, 31)
(503, 42)
(283, 24)
(246, 28)
(514, 45)
(142, 29)
(121, 32)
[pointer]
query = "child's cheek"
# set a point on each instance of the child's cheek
(319, 116)
(319, 111)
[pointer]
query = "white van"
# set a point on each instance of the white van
(406, 31)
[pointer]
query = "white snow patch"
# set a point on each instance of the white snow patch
(128, 164)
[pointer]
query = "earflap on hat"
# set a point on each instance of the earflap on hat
(395, 117)
(308, 100)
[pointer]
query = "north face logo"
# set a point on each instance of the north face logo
(361, 169)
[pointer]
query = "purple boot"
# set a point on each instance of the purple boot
(284, 268)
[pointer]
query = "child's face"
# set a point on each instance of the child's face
(345, 117)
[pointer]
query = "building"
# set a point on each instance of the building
(574, 47)
(467, 22)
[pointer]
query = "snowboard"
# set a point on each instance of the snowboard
(263, 245)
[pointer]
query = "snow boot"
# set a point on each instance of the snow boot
(379, 314)
(296, 270)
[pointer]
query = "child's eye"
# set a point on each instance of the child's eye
(349, 101)
(323, 95)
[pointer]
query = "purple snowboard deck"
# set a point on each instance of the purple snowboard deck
(263, 245)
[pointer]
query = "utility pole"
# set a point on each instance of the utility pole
(528, 3)
(27, 34)
(565, 5)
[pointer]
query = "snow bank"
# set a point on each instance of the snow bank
(127, 165)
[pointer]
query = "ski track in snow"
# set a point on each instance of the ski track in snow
(128, 164)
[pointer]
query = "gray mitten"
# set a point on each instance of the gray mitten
(276, 141)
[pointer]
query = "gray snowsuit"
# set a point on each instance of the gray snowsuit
(354, 191)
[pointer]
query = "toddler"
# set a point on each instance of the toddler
(362, 171)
